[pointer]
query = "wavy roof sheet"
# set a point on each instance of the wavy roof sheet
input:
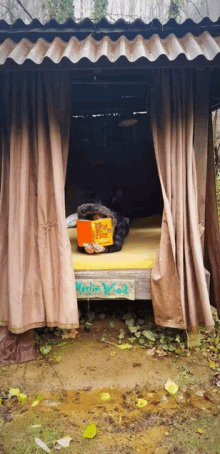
(74, 50)
(120, 24)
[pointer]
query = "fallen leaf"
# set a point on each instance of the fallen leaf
(64, 442)
(212, 365)
(45, 350)
(14, 392)
(22, 397)
(151, 351)
(200, 431)
(58, 358)
(90, 431)
(39, 397)
(141, 403)
(171, 387)
(136, 365)
(112, 353)
(36, 402)
(199, 393)
(161, 353)
(111, 324)
(35, 426)
(42, 445)
(70, 335)
(105, 396)
(0, 401)
(88, 388)
(124, 346)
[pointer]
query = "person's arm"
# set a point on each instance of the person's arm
(121, 230)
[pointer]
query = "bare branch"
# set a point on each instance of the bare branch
(207, 7)
(9, 11)
(190, 1)
(5, 7)
(22, 6)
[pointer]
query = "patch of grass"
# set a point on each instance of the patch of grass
(184, 438)
(18, 435)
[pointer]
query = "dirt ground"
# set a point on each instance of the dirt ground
(72, 378)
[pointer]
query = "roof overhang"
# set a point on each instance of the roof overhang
(188, 51)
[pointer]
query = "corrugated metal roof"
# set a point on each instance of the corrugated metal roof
(34, 30)
(88, 24)
(75, 50)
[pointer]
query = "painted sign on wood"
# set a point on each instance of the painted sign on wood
(105, 288)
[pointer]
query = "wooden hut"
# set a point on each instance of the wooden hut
(112, 106)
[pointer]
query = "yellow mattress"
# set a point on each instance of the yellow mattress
(138, 252)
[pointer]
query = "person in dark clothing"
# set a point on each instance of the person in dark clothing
(94, 211)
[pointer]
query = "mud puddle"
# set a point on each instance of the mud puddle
(188, 422)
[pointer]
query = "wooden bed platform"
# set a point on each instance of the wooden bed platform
(134, 262)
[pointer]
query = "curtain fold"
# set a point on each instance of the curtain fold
(179, 291)
(38, 286)
(212, 235)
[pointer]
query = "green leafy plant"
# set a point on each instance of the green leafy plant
(174, 10)
(100, 9)
(61, 10)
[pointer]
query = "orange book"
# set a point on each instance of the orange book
(99, 232)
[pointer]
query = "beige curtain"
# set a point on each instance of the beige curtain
(212, 235)
(179, 291)
(37, 279)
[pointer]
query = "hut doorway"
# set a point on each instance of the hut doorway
(111, 153)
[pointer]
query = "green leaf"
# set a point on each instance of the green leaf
(132, 339)
(61, 344)
(14, 392)
(141, 403)
(39, 397)
(0, 400)
(102, 337)
(90, 431)
(133, 329)
(171, 387)
(200, 431)
(124, 346)
(149, 335)
(142, 341)
(137, 334)
(45, 350)
(36, 402)
(105, 396)
(58, 358)
(129, 322)
(22, 397)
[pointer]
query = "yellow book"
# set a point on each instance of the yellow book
(99, 232)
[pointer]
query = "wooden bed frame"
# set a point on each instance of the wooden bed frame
(141, 279)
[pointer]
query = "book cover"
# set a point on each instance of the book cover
(99, 232)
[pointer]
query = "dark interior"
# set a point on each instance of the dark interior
(109, 160)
